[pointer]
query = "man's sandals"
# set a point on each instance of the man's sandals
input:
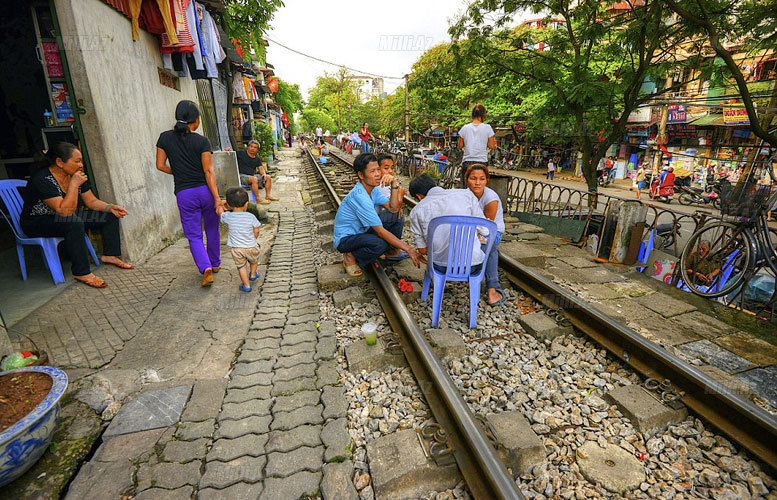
(93, 281)
(353, 269)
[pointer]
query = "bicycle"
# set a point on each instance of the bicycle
(724, 254)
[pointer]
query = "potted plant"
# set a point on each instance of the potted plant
(29, 414)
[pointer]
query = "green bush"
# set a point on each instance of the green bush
(263, 134)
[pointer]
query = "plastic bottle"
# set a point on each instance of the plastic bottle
(47, 118)
(370, 332)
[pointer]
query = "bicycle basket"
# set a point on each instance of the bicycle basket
(752, 194)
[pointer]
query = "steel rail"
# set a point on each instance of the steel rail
(478, 461)
(752, 427)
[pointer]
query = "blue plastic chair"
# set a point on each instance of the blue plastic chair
(250, 191)
(9, 193)
(728, 268)
(461, 244)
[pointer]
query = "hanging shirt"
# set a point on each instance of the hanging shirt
(194, 26)
(439, 202)
(215, 48)
(208, 56)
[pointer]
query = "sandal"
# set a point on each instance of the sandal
(273, 198)
(94, 281)
(120, 264)
(500, 301)
(264, 202)
(353, 269)
(207, 277)
(397, 258)
(243, 288)
(215, 269)
(254, 277)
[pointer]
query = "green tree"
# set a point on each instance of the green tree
(290, 99)
(311, 118)
(591, 69)
(335, 93)
(263, 135)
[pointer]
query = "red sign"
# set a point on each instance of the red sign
(272, 82)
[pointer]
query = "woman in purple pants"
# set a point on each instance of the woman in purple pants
(191, 165)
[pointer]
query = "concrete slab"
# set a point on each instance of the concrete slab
(542, 326)
(628, 310)
(579, 262)
(447, 342)
(407, 270)
(614, 468)
(350, 295)
(645, 412)
(665, 305)
(763, 381)
(632, 288)
(400, 468)
(592, 275)
(333, 277)
(751, 348)
(697, 323)
(151, 410)
(410, 297)
(716, 356)
(521, 251)
(361, 356)
(522, 447)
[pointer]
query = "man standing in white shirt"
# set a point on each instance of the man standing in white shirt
(319, 134)
(475, 139)
(436, 202)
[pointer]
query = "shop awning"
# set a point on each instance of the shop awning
(710, 120)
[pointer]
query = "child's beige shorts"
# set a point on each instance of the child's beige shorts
(243, 255)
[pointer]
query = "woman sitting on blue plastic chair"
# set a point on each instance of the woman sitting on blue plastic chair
(51, 209)
(476, 177)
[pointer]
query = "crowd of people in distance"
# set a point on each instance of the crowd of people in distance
(370, 221)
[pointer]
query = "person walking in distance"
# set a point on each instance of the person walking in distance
(475, 139)
(365, 136)
(551, 168)
(319, 134)
(191, 165)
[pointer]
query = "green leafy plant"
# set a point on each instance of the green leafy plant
(263, 134)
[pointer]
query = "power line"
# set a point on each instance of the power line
(357, 71)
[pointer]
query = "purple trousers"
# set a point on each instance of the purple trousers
(196, 205)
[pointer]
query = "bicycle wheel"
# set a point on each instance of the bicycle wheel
(685, 199)
(720, 267)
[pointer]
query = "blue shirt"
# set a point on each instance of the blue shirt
(379, 196)
(356, 214)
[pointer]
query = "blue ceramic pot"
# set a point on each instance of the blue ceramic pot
(22, 444)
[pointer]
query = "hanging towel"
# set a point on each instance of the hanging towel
(164, 9)
(215, 48)
(134, 7)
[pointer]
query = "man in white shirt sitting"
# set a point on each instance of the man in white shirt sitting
(435, 202)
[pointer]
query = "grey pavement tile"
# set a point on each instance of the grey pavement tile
(190, 431)
(297, 371)
(150, 410)
(185, 451)
(291, 350)
(288, 387)
(232, 429)
(284, 441)
(335, 403)
(327, 374)
(302, 459)
(294, 486)
(205, 400)
(665, 305)
(264, 366)
(246, 381)
(296, 400)
(247, 394)
(225, 450)
(245, 469)
(239, 491)
(326, 348)
(301, 416)
(337, 483)
(294, 359)
(168, 476)
(182, 493)
(261, 344)
(337, 440)
(249, 356)
(239, 411)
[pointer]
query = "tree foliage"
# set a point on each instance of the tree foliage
(335, 93)
(583, 69)
(290, 99)
(247, 20)
(312, 117)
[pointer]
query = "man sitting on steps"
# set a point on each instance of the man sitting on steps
(248, 162)
(358, 232)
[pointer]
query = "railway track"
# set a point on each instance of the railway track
(477, 459)
(750, 426)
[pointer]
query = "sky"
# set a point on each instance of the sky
(377, 36)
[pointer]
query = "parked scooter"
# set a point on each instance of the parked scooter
(690, 195)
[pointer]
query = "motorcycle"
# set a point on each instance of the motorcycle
(691, 195)
(661, 191)
(603, 178)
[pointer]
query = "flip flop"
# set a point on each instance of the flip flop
(254, 277)
(353, 270)
(244, 289)
(397, 258)
(500, 301)
(273, 198)
(264, 202)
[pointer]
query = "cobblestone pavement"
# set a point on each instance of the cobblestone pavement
(275, 426)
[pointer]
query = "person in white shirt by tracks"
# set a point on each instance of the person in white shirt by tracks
(475, 139)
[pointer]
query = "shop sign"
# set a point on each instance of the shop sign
(681, 130)
(640, 115)
(676, 113)
(735, 115)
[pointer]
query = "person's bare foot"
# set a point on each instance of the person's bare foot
(115, 261)
(494, 296)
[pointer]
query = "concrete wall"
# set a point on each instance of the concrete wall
(116, 80)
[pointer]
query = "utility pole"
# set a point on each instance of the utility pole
(407, 111)
(661, 137)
